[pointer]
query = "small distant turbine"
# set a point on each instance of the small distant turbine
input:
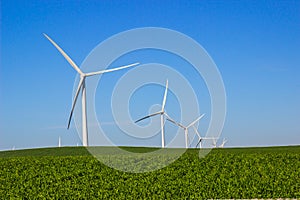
(185, 128)
(162, 113)
(214, 143)
(201, 138)
(81, 87)
(223, 143)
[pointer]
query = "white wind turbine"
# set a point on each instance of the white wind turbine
(162, 113)
(214, 143)
(201, 138)
(223, 143)
(81, 87)
(185, 128)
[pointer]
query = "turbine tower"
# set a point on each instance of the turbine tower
(82, 87)
(59, 142)
(185, 128)
(162, 113)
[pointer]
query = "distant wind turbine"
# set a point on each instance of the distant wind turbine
(185, 128)
(214, 143)
(81, 87)
(201, 138)
(162, 113)
(223, 143)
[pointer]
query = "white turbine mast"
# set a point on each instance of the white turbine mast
(186, 128)
(59, 142)
(162, 113)
(223, 143)
(82, 88)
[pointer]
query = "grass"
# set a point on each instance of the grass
(71, 172)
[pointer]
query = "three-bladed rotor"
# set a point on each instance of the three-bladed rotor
(81, 88)
(185, 128)
(162, 113)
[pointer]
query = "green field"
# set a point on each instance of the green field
(72, 173)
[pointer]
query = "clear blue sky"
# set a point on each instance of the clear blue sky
(255, 45)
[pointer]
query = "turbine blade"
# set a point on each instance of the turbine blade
(174, 122)
(75, 99)
(165, 97)
(209, 138)
(199, 141)
(148, 116)
(65, 55)
(191, 124)
(196, 131)
(111, 70)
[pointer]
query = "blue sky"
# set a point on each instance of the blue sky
(255, 45)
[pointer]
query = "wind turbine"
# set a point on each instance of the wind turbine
(201, 138)
(162, 113)
(82, 87)
(214, 143)
(185, 128)
(223, 143)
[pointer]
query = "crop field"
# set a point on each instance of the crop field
(72, 173)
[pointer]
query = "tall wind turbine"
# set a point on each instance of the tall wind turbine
(162, 113)
(223, 143)
(185, 128)
(82, 87)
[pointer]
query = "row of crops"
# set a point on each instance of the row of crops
(71, 173)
